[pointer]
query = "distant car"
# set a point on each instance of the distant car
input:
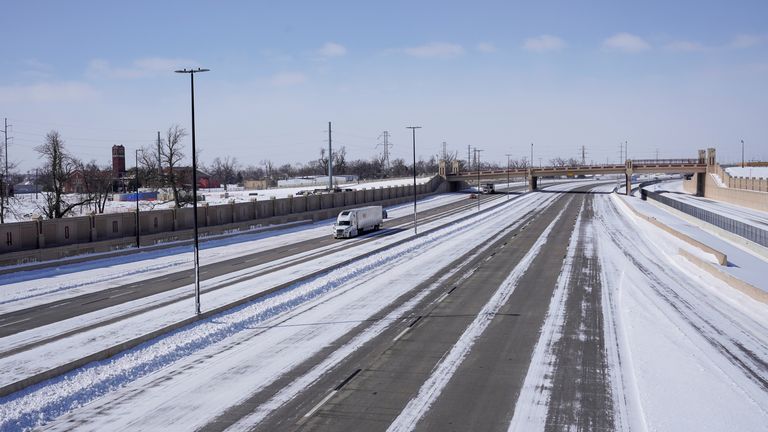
(472, 196)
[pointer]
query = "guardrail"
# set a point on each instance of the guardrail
(747, 231)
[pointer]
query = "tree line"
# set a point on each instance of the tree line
(163, 166)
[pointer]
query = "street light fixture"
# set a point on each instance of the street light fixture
(413, 129)
(192, 73)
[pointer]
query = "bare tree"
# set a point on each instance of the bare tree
(150, 168)
(340, 160)
(269, 168)
(224, 170)
(171, 156)
(323, 161)
(98, 185)
(59, 170)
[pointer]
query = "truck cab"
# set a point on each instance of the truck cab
(346, 225)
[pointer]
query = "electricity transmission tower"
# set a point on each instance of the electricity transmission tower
(387, 145)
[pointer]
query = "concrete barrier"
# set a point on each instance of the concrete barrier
(127, 244)
(734, 282)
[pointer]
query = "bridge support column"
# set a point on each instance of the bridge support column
(533, 183)
(628, 177)
(700, 182)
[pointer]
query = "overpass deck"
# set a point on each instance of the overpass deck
(675, 166)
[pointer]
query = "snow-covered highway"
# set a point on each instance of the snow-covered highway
(552, 310)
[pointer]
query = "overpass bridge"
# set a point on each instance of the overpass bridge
(698, 167)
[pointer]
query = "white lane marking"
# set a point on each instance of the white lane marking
(122, 294)
(441, 298)
(58, 305)
(15, 322)
(317, 407)
(533, 401)
(400, 334)
(287, 393)
(447, 366)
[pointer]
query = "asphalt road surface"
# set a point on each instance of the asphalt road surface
(26, 319)
(370, 389)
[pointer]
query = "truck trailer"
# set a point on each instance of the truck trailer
(352, 222)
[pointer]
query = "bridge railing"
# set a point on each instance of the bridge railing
(666, 162)
(749, 232)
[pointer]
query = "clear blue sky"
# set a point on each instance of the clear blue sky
(665, 76)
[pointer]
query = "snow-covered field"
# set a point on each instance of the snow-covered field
(761, 172)
(686, 352)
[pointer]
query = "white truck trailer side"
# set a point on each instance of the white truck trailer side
(352, 222)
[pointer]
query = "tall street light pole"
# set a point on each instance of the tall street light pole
(138, 227)
(742, 155)
(531, 155)
(477, 163)
(413, 129)
(192, 73)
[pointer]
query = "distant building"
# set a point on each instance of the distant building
(75, 183)
(257, 184)
(118, 161)
(204, 180)
(120, 180)
(27, 186)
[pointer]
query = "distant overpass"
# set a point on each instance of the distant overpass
(697, 167)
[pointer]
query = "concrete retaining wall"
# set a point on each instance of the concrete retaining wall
(42, 240)
(720, 256)
(756, 198)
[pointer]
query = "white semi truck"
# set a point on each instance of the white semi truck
(352, 222)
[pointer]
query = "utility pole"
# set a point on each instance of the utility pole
(444, 151)
(657, 154)
(583, 155)
(477, 165)
(386, 146)
(330, 159)
(469, 157)
(508, 155)
(159, 158)
(413, 129)
(5, 173)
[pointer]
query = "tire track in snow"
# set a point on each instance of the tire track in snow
(303, 382)
(50, 399)
(720, 326)
(533, 401)
(431, 389)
